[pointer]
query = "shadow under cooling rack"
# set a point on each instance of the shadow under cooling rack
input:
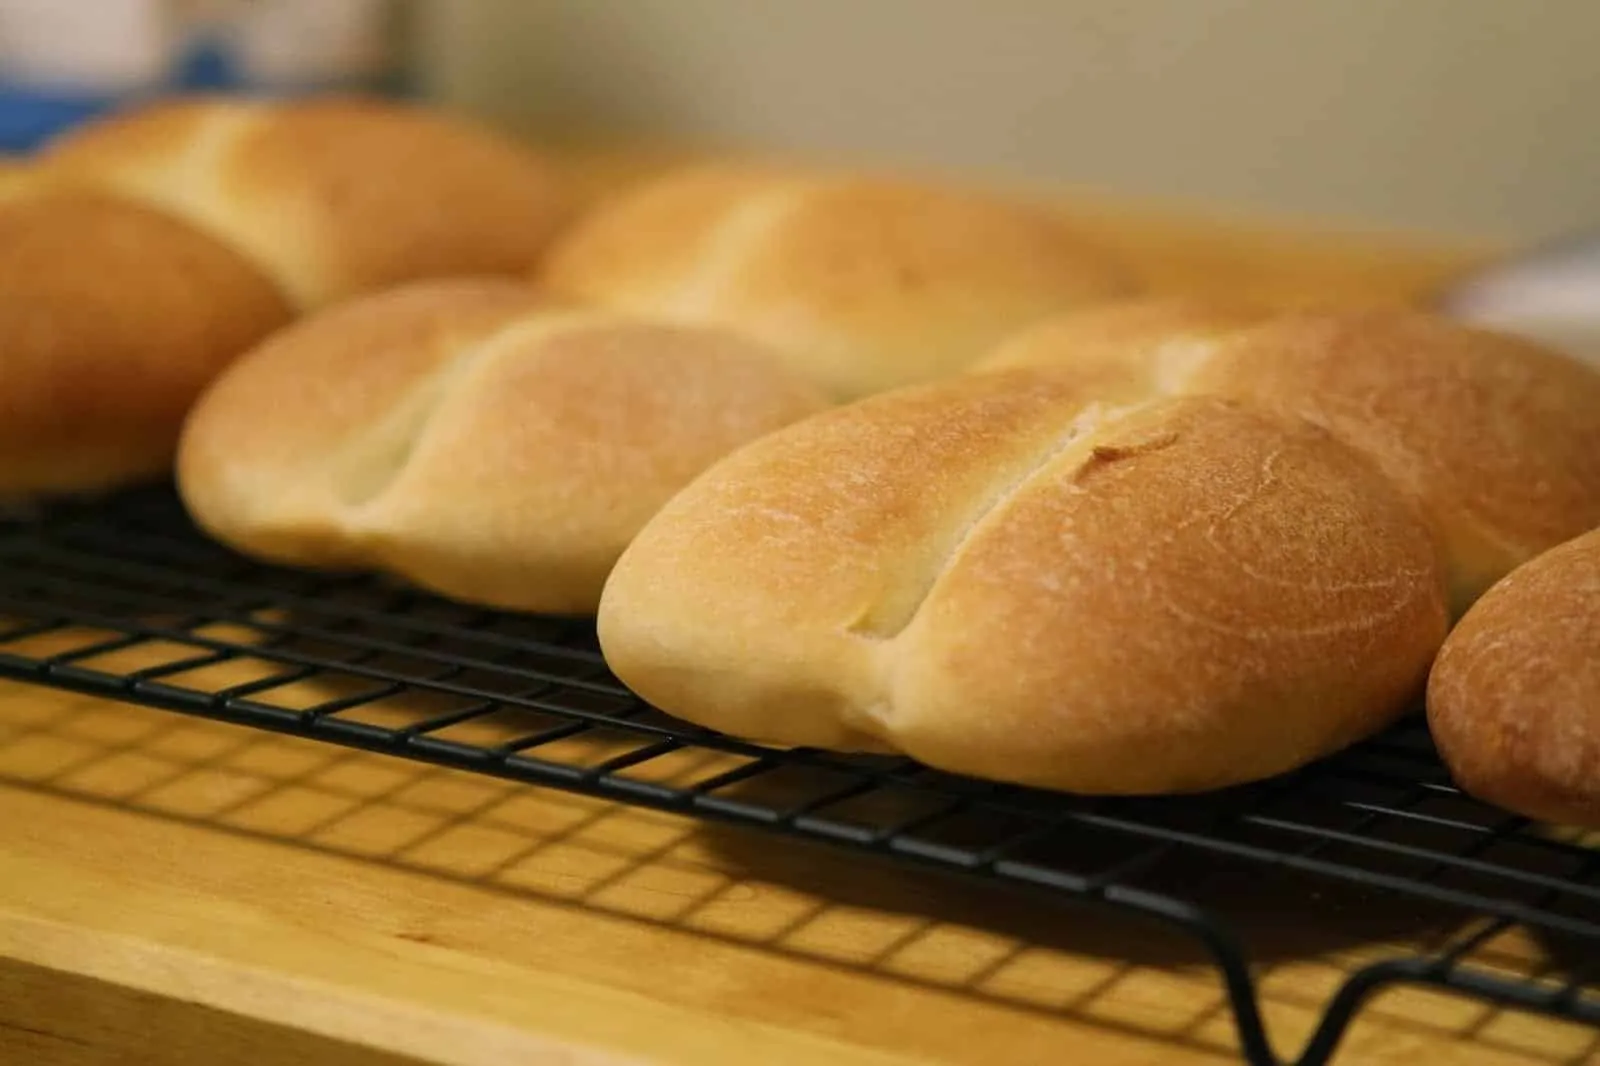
(123, 598)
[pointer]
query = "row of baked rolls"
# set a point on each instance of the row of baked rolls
(217, 221)
(471, 436)
(143, 252)
(501, 446)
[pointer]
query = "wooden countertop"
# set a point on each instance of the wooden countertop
(174, 890)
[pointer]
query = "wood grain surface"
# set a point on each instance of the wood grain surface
(179, 891)
(172, 886)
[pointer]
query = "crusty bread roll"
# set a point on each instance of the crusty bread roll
(470, 436)
(1495, 438)
(113, 318)
(989, 577)
(1514, 696)
(331, 197)
(862, 283)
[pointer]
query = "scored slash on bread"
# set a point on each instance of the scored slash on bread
(143, 251)
(862, 283)
(472, 437)
(331, 197)
(984, 575)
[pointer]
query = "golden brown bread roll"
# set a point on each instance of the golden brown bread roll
(862, 283)
(470, 436)
(1514, 697)
(1495, 438)
(331, 197)
(113, 318)
(995, 580)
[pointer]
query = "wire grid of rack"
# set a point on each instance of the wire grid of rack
(124, 598)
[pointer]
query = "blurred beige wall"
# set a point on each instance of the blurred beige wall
(1475, 117)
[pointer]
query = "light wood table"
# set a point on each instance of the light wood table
(174, 890)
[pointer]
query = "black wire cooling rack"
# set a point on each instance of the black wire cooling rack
(122, 597)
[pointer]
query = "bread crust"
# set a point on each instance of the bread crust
(142, 252)
(332, 197)
(861, 282)
(1495, 439)
(985, 575)
(113, 318)
(1514, 697)
(471, 436)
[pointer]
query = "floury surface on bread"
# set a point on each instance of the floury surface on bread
(1495, 439)
(989, 576)
(471, 437)
(113, 318)
(330, 197)
(859, 282)
(1514, 696)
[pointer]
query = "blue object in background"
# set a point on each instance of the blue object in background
(31, 114)
(205, 68)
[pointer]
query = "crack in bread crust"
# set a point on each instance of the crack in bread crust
(1077, 434)
(1398, 581)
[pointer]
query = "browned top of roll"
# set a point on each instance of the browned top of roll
(471, 436)
(113, 318)
(1495, 438)
(1514, 698)
(862, 282)
(986, 576)
(330, 196)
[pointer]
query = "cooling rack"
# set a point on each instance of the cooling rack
(123, 598)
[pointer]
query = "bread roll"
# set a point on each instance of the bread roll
(113, 318)
(1514, 697)
(989, 577)
(471, 437)
(331, 197)
(861, 283)
(1497, 440)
